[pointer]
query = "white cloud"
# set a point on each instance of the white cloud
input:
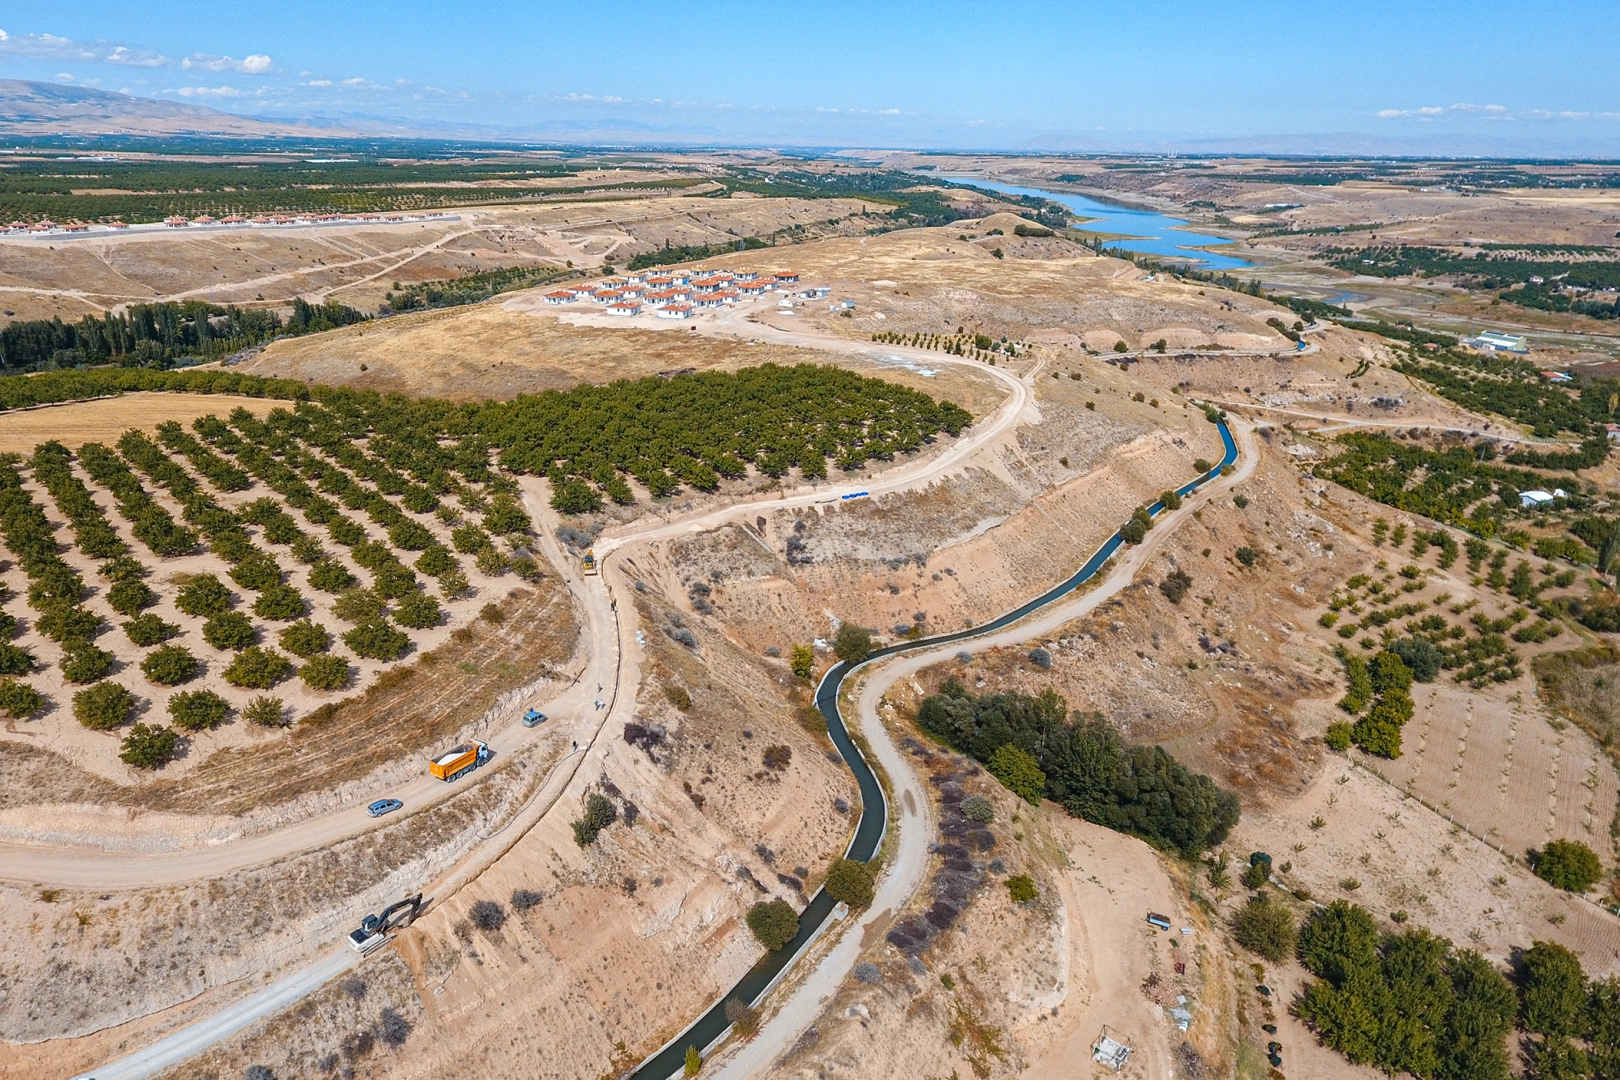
(51, 47)
(1492, 112)
(1443, 110)
(319, 82)
(256, 64)
(210, 91)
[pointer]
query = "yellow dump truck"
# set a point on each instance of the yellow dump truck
(589, 563)
(456, 763)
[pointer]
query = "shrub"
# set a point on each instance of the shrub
(774, 923)
(86, 664)
(1247, 556)
(148, 746)
(1265, 927)
(853, 643)
(1176, 585)
(359, 605)
(103, 707)
(326, 672)
(266, 711)
(279, 602)
(1555, 996)
(329, 575)
(1421, 655)
(198, 710)
(678, 696)
(393, 581)
(418, 611)
(804, 661)
(691, 1063)
(777, 756)
(744, 1021)
(392, 1028)
(599, 814)
(18, 699)
(257, 668)
(978, 808)
(130, 595)
(1256, 874)
(491, 563)
(1567, 864)
(376, 640)
(1019, 772)
(487, 915)
(1338, 736)
(149, 629)
(524, 899)
(1239, 501)
(204, 594)
(15, 660)
(229, 630)
(169, 666)
(1021, 888)
(1041, 658)
(851, 881)
(305, 638)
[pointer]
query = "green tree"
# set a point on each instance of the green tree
(1483, 1006)
(18, 699)
(1555, 992)
(204, 594)
(229, 630)
(198, 710)
(852, 643)
(1019, 772)
(1338, 939)
(86, 664)
(1389, 672)
(257, 668)
(377, 640)
(130, 595)
(804, 661)
(103, 707)
(1567, 864)
(148, 629)
(305, 638)
(1266, 927)
(279, 602)
(1603, 1019)
(266, 711)
(774, 923)
(693, 1063)
(148, 746)
(1556, 1058)
(599, 814)
(169, 666)
(418, 611)
(325, 672)
(851, 881)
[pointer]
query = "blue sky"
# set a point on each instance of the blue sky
(1414, 76)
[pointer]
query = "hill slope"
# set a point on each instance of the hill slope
(36, 108)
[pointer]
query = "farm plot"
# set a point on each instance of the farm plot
(234, 585)
(1437, 699)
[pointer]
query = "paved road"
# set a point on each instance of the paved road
(616, 669)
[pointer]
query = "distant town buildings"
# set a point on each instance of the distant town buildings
(1496, 341)
(678, 294)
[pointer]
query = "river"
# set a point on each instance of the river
(1144, 231)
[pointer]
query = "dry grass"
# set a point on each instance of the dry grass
(104, 420)
(406, 710)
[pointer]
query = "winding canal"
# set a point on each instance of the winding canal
(874, 820)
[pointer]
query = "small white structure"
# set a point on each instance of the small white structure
(624, 307)
(1496, 341)
(1531, 499)
(1110, 1050)
(561, 296)
(675, 311)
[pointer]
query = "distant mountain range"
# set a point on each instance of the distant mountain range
(36, 108)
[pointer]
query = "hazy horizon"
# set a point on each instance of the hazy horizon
(1463, 80)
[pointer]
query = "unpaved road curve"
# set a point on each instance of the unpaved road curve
(911, 814)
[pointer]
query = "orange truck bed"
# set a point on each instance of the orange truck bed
(449, 765)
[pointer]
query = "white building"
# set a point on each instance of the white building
(1531, 499)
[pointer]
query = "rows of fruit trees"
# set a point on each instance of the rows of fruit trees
(315, 546)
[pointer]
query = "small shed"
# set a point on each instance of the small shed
(1110, 1049)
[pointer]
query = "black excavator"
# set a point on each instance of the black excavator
(374, 929)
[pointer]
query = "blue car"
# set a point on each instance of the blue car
(533, 718)
(383, 806)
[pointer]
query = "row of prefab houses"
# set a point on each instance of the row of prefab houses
(677, 294)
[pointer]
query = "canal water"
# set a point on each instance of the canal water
(1143, 231)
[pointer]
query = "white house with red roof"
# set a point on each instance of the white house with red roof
(624, 307)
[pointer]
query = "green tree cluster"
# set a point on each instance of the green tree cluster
(1086, 765)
